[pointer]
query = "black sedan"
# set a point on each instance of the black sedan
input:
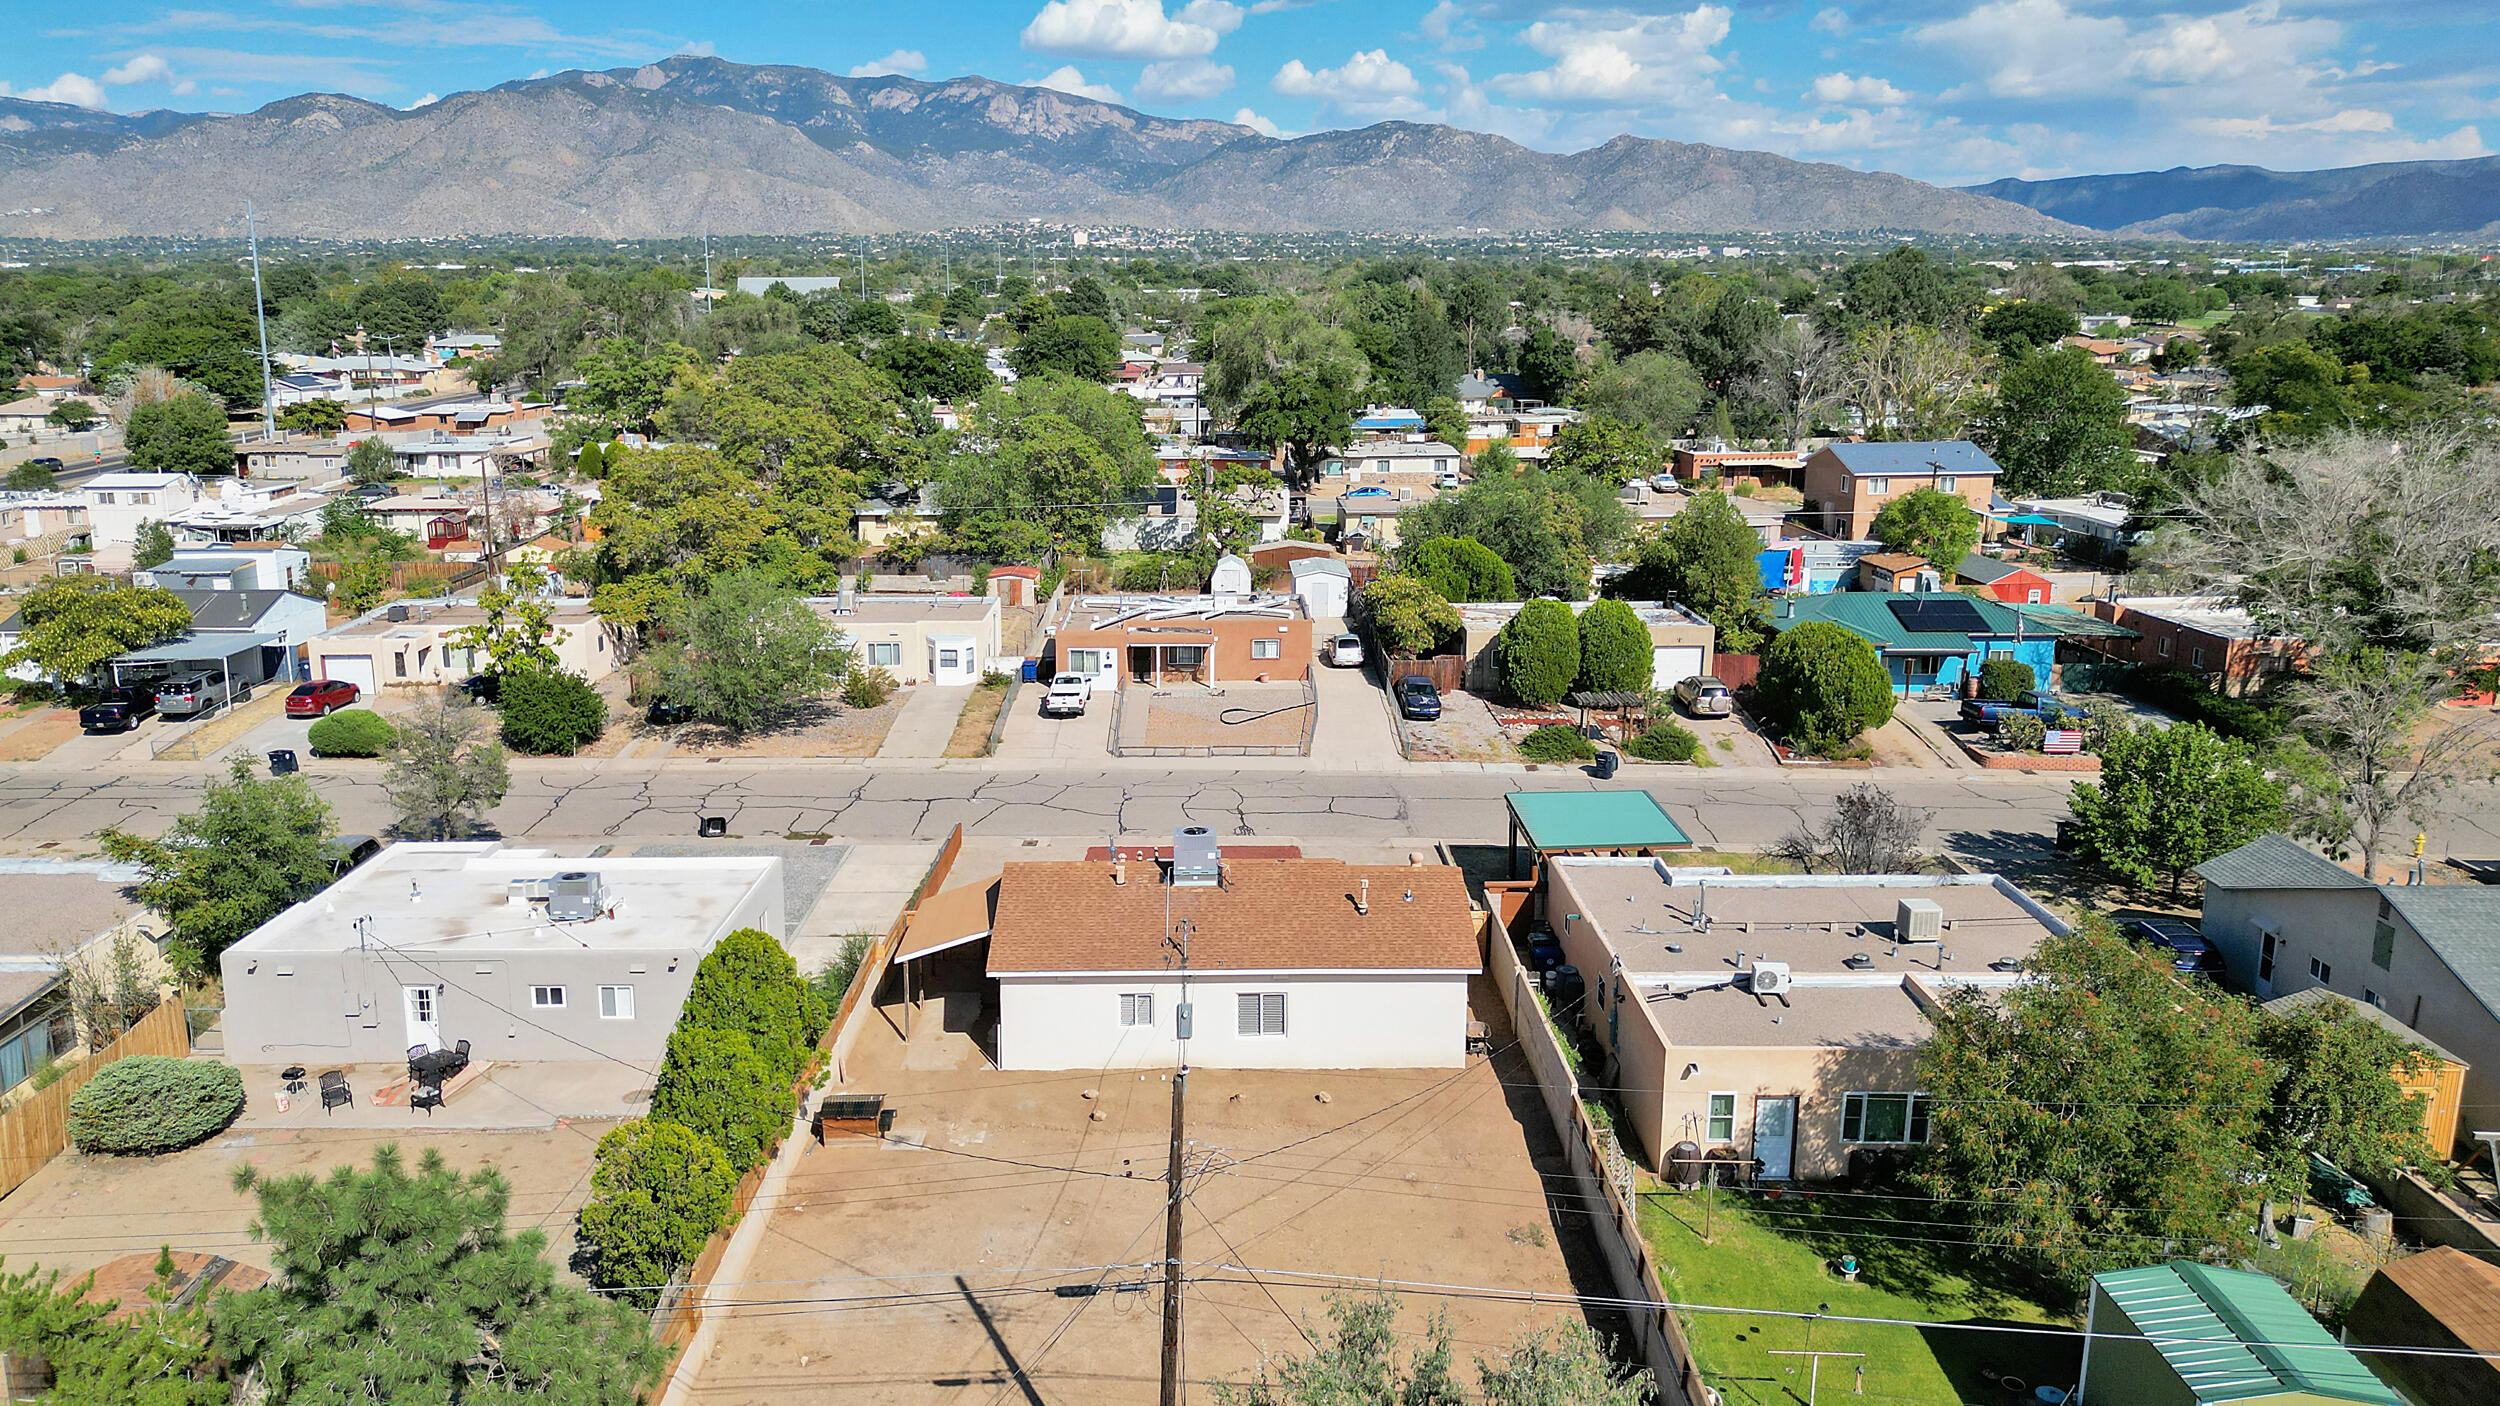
(1418, 700)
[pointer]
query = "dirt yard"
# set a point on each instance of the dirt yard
(1241, 715)
(823, 728)
(1466, 731)
(27, 735)
(926, 1273)
(972, 730)
(79, 1212)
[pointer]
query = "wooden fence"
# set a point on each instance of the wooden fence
(679, 1313)
(35, 1131)
(1736, 670)
(417, 578)
(1448, 672)
(1604, 1178)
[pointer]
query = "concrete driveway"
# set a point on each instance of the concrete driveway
(1354, 732)
(1031, 738)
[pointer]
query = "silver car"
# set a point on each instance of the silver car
(193, 694)
(1705, 697)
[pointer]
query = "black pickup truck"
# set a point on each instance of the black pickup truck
(1988, 712)
(118, 710)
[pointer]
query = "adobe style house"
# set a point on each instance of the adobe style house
(1168, 641)
(1847, 484)
(918, 638)
(1771, 468)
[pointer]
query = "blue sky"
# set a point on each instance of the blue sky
(1946, 90)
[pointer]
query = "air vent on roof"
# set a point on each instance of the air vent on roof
(575, 896)
(1197, 861)
(1918, 920)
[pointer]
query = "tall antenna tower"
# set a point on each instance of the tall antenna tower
(260, 313)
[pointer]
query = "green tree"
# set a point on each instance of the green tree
(399, 1287)
(154, 547)
(1459, 569)
(69, 627)
(1929, 523)
(657, 1192)
(517, 635)
(2336, 1094)
(253, 848)
(2004, 678)
(183, 435)
(962, 309)
(444, 776)
(1822, 687)
(1085, 297)
(76, 416)
(1706, 558)
(749, 985)
(321, 417)
(933, 368)
(1615, 655)
(31, 477)
(1606, 448)
(2020, 327)
(1446, 422)
(1285, 379)
(1087, 348)
(1549, 364)
(160, 1359)
(1655, 392)
(361, 584)
(2169, 799)
(1357, 1364)
(2059, 426)
(550, 711)
(1062, 458)
(1406, 616)
(715, 1083)
(2306, 391)
(2041, 1139)
(1905, 287)
(1539, 652)
(746, 653)
(400, 311)
(370, 461)
(871, 317)
(623, 386)
(1538, 522)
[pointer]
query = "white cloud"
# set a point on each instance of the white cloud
(1184, 80)
(1613, 57)
(1066, 79)
(76, 89)
(900, 61)
(1841, 90)
(1131, 29)
(2035, 48)
(1265, 127)
(2044, 48)
(142, 68)
(1450, 27)
(699, 49)
(1368, 84)
(1830, 20)
(427, 101)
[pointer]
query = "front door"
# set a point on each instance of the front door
(1775, 1136)
(1141, 663)
(425, 1016)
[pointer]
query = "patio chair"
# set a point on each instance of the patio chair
(463, 1049)
(418, 1052)
(334, 1090)
(426, 1096)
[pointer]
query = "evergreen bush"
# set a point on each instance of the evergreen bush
(147, 1104)
(1822, 686)
(1556, 743)
(354, 732)
(550, 712)
(1665, 742)
(658, 1190)
(2004, 678)
(1540, 653)
(1615, 654)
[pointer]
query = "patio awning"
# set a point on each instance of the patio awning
(2029, 520)
(948, 919)
(199, 649)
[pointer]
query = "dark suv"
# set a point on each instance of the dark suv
(2190, 954)
(118, 710)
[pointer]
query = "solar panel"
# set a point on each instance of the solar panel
(1947, 617)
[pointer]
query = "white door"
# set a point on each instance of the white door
(1775, 1136)
(350, 668)
(425, 1016)
(1672, 664)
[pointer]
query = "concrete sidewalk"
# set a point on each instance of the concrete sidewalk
(927, 722)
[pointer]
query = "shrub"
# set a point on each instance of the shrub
(147, 1104)
(867, 686)
(1459, 569)
(833, 980)
(747, 983)
(715, 1083)
(357, 732)
(657, 1191)
(2190, 697)
(1665, 742)
(2021, 732)
(1822, 686)
(547, 712)
(1615, 653)
(2004, 677)
(1556, 743)
(1407, 616)
(1540, 652)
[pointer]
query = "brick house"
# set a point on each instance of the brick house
(2203, 636)
(1847, 484)
(1160, 640)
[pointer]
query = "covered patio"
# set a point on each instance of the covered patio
(1170, 656)
(945, 953)
(1589, 822)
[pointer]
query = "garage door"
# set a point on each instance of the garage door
(1672, 664)
(350, 668)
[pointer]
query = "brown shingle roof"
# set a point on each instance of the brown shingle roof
(1270, 915)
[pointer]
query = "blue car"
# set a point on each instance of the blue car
(2190, 953)
(1418, 700)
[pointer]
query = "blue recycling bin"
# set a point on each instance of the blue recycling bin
(1032, 671)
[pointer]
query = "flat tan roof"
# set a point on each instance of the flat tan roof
(1813, 1017)
(905, 610)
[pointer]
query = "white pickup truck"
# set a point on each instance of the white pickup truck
(1067, 695)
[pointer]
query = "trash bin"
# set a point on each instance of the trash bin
(1032, 671)
(1607, 760)
(282, 762)
(712, 827)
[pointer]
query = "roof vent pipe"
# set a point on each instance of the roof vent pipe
(1119, 872)
(1363, 896)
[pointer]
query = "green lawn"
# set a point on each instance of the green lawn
(1776, 1254)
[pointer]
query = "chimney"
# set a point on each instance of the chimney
(1363, 896)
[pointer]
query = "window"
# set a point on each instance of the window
(1883, 1118)
(2165, 646)
(2323, 971)
(615, 1002)
(1944, 482)
(2033, 598)
(2265, 956)
(399, 665)
(104, 500)
(1879, 485)
(1185, 656)
(2383, 947)
(1261, 1013)
(1721, 1126)
(1089, 661)
(2196, 656)
(885, 652)
(2372, 997)
(1267, 649)
(1137, 1008)
(950, 659)
(547, 998)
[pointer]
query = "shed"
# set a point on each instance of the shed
(2442, 1299)
(1325, 586)
(2004, 580)
(2442, 1084)
(1589, 822)
(2185, 1334)
(1231, 577)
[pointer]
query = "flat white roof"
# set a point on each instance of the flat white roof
(455, 900)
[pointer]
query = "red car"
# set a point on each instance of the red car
(314, 700)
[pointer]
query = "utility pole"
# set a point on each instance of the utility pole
(1174, 1189)
(260, 312)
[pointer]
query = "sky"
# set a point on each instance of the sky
(1953, 91)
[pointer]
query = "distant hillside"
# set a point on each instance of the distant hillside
(691, 143)
(2394, 200)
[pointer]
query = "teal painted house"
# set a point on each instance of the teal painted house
(1934, 639)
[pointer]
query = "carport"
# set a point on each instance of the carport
(201, 654)
(946, 951)
(1589, 822)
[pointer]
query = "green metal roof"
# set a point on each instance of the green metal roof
(2234, 1335)
(1561, 821)
(1868, 614)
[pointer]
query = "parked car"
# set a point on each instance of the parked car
(663, 713)
(1704, 696)
(2190, 954)
(318, 700)
(483, 688)
(1418, 700)
(46, 462)
(2031, 702)
(345, 852)
(117, 710)
(1449, 479)
(194, 694)
(1664, 483)
(1067, 696)
(1346, 651)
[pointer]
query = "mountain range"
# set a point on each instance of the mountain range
(2404, 199)
(694, 142)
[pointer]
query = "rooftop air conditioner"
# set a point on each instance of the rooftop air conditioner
(1197, 861)
(1772, 978)
(575, 897)
(1918, 920)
